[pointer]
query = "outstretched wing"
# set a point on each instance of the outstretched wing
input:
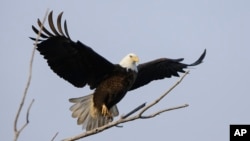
(160, 69)
(73, 61)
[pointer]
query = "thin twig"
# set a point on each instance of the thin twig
(135, 110)
(27, 116)
(18, 131)
(54, 137)
(164, 110)
(135, 117)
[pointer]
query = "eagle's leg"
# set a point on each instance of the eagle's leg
(105, 111)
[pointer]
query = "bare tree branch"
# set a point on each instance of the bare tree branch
(127, 117)
(18, 131)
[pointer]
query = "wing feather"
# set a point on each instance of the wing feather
(59, 23)
(44, 29)
(160, 69)
(66, 29)
(37, 31)
(51, 23)
(73, 61)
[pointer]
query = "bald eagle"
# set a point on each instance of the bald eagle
(80, 65)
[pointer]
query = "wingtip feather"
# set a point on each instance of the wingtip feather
(200, 60)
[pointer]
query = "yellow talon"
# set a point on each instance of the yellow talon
(105, 111)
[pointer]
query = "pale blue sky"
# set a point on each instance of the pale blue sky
(217, 91)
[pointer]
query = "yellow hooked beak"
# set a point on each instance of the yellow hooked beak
(135, 58)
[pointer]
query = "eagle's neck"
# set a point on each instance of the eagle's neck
(128, 65)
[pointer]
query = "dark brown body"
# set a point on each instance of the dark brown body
(112, 89)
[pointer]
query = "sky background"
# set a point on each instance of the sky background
(217, 91)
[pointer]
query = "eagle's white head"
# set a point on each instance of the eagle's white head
(129, 62)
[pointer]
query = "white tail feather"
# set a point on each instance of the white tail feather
(88, 115)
